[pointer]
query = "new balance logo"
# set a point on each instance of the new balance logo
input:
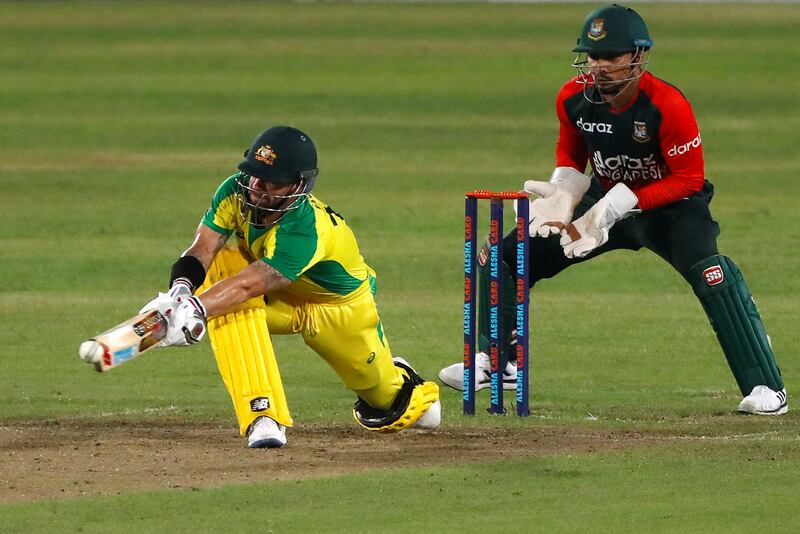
(259, 404)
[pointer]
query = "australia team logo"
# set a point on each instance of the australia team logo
(596, 30)
(266, 154)
(640, 133)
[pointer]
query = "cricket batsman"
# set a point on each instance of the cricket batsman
(645, 188)
(296, 269)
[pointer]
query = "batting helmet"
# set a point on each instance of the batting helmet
(613, 29)
(281, 155)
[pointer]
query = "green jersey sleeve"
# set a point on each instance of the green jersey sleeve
(221, 216)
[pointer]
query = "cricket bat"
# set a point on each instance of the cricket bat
(125, 341)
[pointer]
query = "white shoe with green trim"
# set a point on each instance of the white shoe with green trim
(453, 375)
(764, 401)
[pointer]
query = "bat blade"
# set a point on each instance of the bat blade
(125, 341)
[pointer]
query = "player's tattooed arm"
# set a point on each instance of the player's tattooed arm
(256, 279)
(271, 278)
(206, 244)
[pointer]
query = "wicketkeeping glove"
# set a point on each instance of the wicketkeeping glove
(557, 200)
(590, 231)
(187, 324)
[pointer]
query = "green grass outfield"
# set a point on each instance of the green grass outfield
(650, 491)
(118, 121)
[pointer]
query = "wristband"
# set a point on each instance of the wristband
(188, 268)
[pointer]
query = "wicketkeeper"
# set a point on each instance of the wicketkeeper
(296, 269)
(646, 189)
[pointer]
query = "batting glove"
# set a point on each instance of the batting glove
(187, 324)
(165, 303)
(557, 200)
(590, 231)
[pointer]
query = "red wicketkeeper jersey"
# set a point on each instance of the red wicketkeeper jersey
(652, 144)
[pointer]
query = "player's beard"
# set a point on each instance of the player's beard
(267, 202)
(263, 209)
(610, 89)
(266, 210)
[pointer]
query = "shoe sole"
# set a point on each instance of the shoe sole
(269, 443)
(459, 386)
(780, 411)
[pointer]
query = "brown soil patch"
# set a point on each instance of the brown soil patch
(67, 460)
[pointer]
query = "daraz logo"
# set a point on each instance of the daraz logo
(678, 150)
(591, 127)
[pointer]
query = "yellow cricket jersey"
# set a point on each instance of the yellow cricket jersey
(311, 245)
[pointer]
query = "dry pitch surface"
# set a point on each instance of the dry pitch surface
(67, 460)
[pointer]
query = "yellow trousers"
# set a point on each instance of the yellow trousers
(349, 337)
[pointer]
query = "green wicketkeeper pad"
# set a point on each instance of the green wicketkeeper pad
(507, 315)
(730, 308)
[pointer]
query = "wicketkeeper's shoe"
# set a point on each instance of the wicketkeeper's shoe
(764, 401)
(265, 433)
(453, 375)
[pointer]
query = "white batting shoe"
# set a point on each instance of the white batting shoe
(453, 375)
(431, 419)
(764, 401)
(265, 433)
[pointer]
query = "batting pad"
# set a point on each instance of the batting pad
(243, 350)
(730, 308)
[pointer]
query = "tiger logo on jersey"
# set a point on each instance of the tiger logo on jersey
(640, 133)
(597, 30)
(266, 154)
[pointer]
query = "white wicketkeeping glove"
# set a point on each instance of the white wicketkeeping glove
(557, 200)
(590, 231)
(187, 324)
(166, 302)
